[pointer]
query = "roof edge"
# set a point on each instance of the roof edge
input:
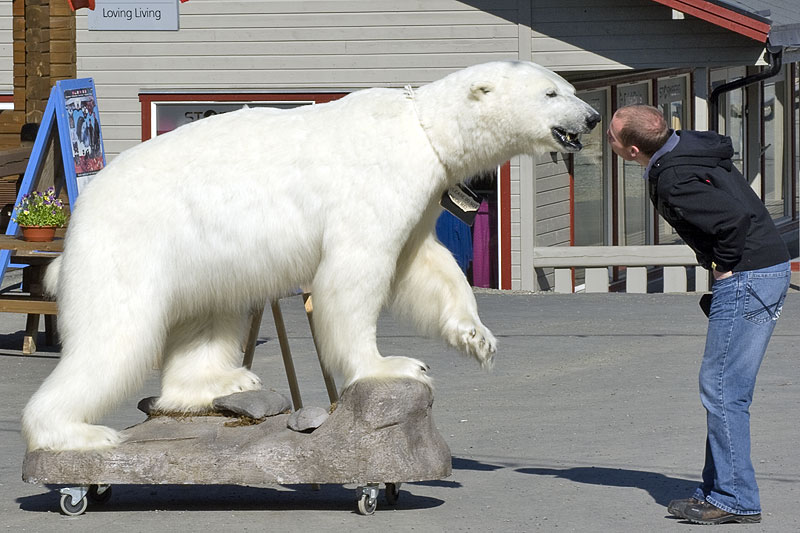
(749, 25)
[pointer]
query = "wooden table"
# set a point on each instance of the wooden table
(37, 255)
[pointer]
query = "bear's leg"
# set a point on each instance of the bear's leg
(430, 290)
(105, 357)
(348, 295)
(203, 361)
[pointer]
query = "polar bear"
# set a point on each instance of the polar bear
(177, 239)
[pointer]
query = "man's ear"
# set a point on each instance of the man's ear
(479, 89)
(634, 151)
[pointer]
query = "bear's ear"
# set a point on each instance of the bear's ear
(479, 89)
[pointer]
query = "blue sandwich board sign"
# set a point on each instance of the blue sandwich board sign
(72, 119)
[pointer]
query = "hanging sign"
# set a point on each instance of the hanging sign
(144, 15)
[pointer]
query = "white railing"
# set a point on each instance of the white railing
(596, 259)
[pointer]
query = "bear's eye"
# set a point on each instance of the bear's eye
(552, 93)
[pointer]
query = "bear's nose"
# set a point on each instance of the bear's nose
(593, 119)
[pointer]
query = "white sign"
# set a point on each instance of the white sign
(146, 15)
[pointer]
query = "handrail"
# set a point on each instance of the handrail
(596, 259)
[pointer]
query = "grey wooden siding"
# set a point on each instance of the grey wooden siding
(552, 201)
(629, 34)
(6, 48)
(288, 46)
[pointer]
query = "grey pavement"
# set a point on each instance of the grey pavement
(590, 421)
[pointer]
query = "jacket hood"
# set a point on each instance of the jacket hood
(698, 148)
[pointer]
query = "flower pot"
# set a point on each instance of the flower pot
(38, 233)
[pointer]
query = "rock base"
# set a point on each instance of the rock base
(381, 431)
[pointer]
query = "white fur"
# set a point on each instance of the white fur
(175, 241)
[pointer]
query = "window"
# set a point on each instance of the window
(634, 201)
(674, 104)
(163, 112)
(775, 148)
(590, 185)
(731, 112)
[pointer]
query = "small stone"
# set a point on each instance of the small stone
(254, 404)
(307, 419)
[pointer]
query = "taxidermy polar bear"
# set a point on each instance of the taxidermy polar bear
(177, 239)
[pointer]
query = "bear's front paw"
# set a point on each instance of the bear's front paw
(395, 367)
(476, 340)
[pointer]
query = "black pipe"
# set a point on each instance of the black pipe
(775, 64)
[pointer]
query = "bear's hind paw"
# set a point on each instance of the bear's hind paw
(77, 437)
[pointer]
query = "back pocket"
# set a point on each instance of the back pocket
(765, 295)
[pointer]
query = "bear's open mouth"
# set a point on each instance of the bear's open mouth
(567, 139)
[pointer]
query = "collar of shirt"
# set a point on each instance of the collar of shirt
(671, 143)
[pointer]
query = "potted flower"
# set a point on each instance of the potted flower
(39, 214)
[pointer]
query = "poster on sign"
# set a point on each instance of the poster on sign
(81, 137)
(83, 122)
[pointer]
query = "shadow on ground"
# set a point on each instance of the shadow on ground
(662, 488)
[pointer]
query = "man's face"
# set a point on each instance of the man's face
(625, 152)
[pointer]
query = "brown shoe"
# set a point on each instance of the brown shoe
(707, 514)
(678, 507)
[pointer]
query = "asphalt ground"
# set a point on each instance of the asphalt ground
(590, 421)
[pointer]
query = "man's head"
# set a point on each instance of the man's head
(636, 132)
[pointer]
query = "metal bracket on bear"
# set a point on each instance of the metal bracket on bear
(380, 431)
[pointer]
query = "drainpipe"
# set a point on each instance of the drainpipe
(774, 56)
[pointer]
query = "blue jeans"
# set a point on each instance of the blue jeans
(744, 309)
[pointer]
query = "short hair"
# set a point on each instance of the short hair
(642, 126)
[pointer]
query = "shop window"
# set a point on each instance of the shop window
(634, 209)
(590, 183)
(674, 104)
(775, 115)
(163, 112)
(731, 113)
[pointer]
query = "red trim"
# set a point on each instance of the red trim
(147, 99)
(722, 17)
(78, 4)
(571, 174)
(505, 226)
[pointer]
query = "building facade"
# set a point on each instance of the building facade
(288, 53)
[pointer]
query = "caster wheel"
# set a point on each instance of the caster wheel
(99, 493)
(392, 492)
(367, 505)
(70, 509)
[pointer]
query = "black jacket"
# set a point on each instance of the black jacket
(698, 190)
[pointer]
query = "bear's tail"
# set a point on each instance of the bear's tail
(51, 276)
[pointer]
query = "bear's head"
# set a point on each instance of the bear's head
(494, 111)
